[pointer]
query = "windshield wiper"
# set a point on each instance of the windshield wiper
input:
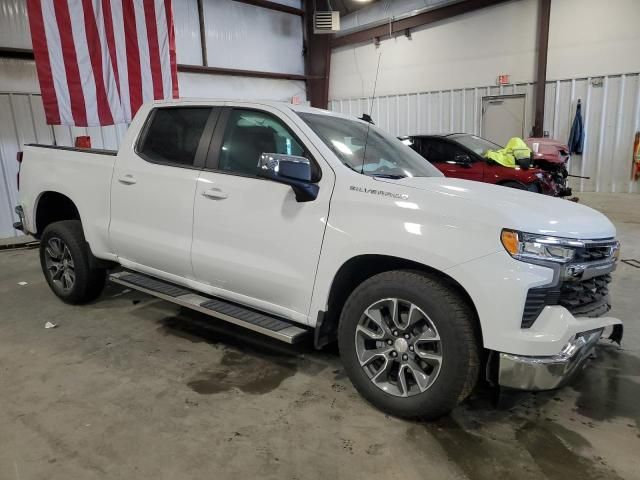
(388, 175)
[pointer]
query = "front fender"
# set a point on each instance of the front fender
(385, 219)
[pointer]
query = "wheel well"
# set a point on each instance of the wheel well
(54, 207)
(525, 186)
(355, 271)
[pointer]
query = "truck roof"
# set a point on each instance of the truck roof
(274, 104)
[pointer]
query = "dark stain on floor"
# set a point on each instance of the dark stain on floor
(555, 449)
(610, 387)
(520, 449)
(251, 363)
(516, 435)
(247, 373)
(477, 456)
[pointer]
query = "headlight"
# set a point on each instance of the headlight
(539, 175)
(529, 246)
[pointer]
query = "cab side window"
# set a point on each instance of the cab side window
(249, 134)
(173, 135)
(437, 151)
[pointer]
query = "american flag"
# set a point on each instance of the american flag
(99, 60)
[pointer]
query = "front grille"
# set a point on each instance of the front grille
(593, 253)
(588, 298)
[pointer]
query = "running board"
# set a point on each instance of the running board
(230, 312)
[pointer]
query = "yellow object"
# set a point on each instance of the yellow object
(515, 149)
(510, 241)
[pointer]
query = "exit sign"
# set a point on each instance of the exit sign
(503, 79)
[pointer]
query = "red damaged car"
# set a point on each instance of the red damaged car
(461, 155)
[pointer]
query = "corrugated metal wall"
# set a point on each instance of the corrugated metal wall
(611, 111)
(14, 24)
(22, 121)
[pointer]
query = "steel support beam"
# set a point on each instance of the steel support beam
(401, 25)
(26, 54)
(273, 6)
(317, 59)
(203, 37)
(544, 14)
(19, 53)
(239, 73)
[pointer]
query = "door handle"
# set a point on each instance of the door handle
(215, 194)
(127, 179)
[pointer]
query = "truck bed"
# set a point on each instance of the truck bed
(82, 175)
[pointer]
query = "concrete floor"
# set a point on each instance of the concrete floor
(134, 388)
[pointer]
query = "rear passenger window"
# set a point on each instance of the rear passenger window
(174, 134)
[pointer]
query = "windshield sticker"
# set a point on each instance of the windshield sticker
(383, 193)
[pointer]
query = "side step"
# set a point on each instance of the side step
(230, 312)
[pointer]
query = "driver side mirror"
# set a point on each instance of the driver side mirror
(291, 170)
(463, 159)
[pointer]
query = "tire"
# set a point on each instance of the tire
(448, 316)
(64, 258)
(516, 185)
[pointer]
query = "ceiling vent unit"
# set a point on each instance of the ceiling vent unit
(326, 22)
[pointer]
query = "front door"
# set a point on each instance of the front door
(153, 187)
(252, 241)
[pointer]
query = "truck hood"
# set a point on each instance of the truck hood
(517, 209)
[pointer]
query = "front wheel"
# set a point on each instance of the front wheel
(64, 258)
(408, 344)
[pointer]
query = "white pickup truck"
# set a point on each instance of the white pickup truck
(293, 221)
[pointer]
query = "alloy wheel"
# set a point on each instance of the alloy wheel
(60, 264)
(398, 347)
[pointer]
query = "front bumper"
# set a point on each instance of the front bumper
(548, 372)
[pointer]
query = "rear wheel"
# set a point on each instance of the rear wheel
(408, 344)
(64, 258)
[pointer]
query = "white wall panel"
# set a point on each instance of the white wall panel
(611, 112)
(18, 76)
(187, 28)
(588, 37)
(247, 37)
(230, 87)
(461, 52)
(14, 24)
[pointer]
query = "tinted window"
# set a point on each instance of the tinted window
(248, 135)
(174, 134)
(438, 151)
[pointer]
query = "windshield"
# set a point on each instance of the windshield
(476, 144)
(386, 156)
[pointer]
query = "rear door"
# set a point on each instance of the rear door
(446, 156)
(153, 187)
(252, 241)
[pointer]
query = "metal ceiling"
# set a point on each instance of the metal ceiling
(346, 7)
